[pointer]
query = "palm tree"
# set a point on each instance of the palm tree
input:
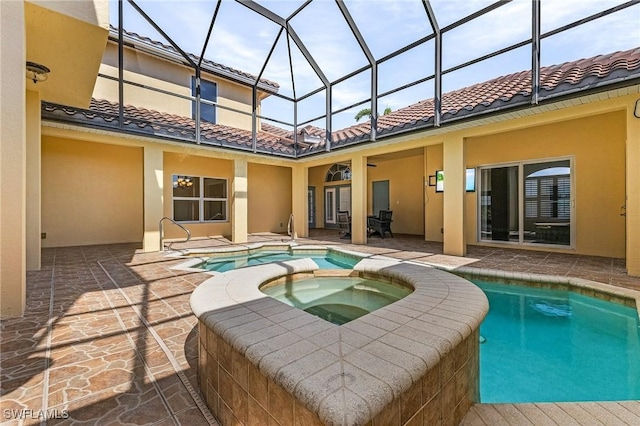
(366, 112)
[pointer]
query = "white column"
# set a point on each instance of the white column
(34, 184)
(359, 199)
(300, 200)
(633, 189)
(454, 196)
(153, 197)
(239, 202)
(12, 160)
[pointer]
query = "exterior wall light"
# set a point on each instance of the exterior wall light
(37, 72)
(636, 110)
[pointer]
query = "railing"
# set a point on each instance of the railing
(160, 226)
(290, 227)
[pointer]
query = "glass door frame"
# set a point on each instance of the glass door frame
(331, 220)
(521, 202)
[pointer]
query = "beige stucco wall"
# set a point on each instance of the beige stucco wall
(405, 192)
(161, 74)
(434, 211)
(68, 37)
(597, 145)
(33, 180)
(270, 196)
(12, 161)
(95, 12)
(317, 176)
(150, 71)
(91, 193)
(194, 165)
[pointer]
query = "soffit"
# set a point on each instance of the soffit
(70, 47)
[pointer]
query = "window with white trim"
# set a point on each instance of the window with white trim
(199, 199)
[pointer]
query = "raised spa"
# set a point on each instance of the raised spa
(262, 361)
(337, 299)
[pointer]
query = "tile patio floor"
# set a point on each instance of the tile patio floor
(108, 337)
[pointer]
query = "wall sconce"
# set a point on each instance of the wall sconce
(636, 110)
(37, 72)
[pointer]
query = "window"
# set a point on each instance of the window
(199, 199)
(526, 203)
(338, 172)
(209, 92)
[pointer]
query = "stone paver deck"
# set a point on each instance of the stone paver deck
(108, 336)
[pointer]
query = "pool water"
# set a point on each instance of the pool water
(337, 299)
(324, 260)
(556, 346)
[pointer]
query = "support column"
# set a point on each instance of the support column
(633, 189)
(34, 184)
(153, 197)
(239, 202)
(12, 160)
(359, 199)
(300, 200)
(454, 197)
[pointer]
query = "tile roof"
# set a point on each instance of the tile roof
(104, 114)
(502, 92)
(490, 96)
(207, 65)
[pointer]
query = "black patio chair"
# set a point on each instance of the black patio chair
(344, 223)
(381, 224)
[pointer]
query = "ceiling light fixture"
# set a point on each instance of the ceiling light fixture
(183, 182)
(37, 72)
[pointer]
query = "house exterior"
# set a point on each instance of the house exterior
(560, 175)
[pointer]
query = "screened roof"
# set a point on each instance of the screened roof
(324, 61)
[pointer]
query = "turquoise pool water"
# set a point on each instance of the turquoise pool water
(545, 345)
(324, 260)
(337, 299)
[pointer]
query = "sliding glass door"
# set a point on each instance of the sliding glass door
(526, 203)
(499, 218)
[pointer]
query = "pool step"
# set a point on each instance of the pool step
(335, 273)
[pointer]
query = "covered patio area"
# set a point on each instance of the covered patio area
(108, 336)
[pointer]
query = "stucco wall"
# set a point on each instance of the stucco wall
(434, 200)
(405, 192)
(598, 146)
(269, 198)
(169, 76)
(193, 165)
(91, 193)
(316, 179)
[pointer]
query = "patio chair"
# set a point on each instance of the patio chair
(381, 224)
(344, 223)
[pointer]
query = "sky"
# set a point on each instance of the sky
(242, 39)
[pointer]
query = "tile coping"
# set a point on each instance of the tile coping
(590, 288)
(196, 256)
(274, 336)
(595, 289)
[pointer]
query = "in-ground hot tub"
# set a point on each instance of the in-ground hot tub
(414, 359)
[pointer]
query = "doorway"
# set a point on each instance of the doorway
(336, 198)
(311, 206)
(380, 196)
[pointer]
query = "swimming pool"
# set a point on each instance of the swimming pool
(338, 300)
(555, 346)
(325, 259)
